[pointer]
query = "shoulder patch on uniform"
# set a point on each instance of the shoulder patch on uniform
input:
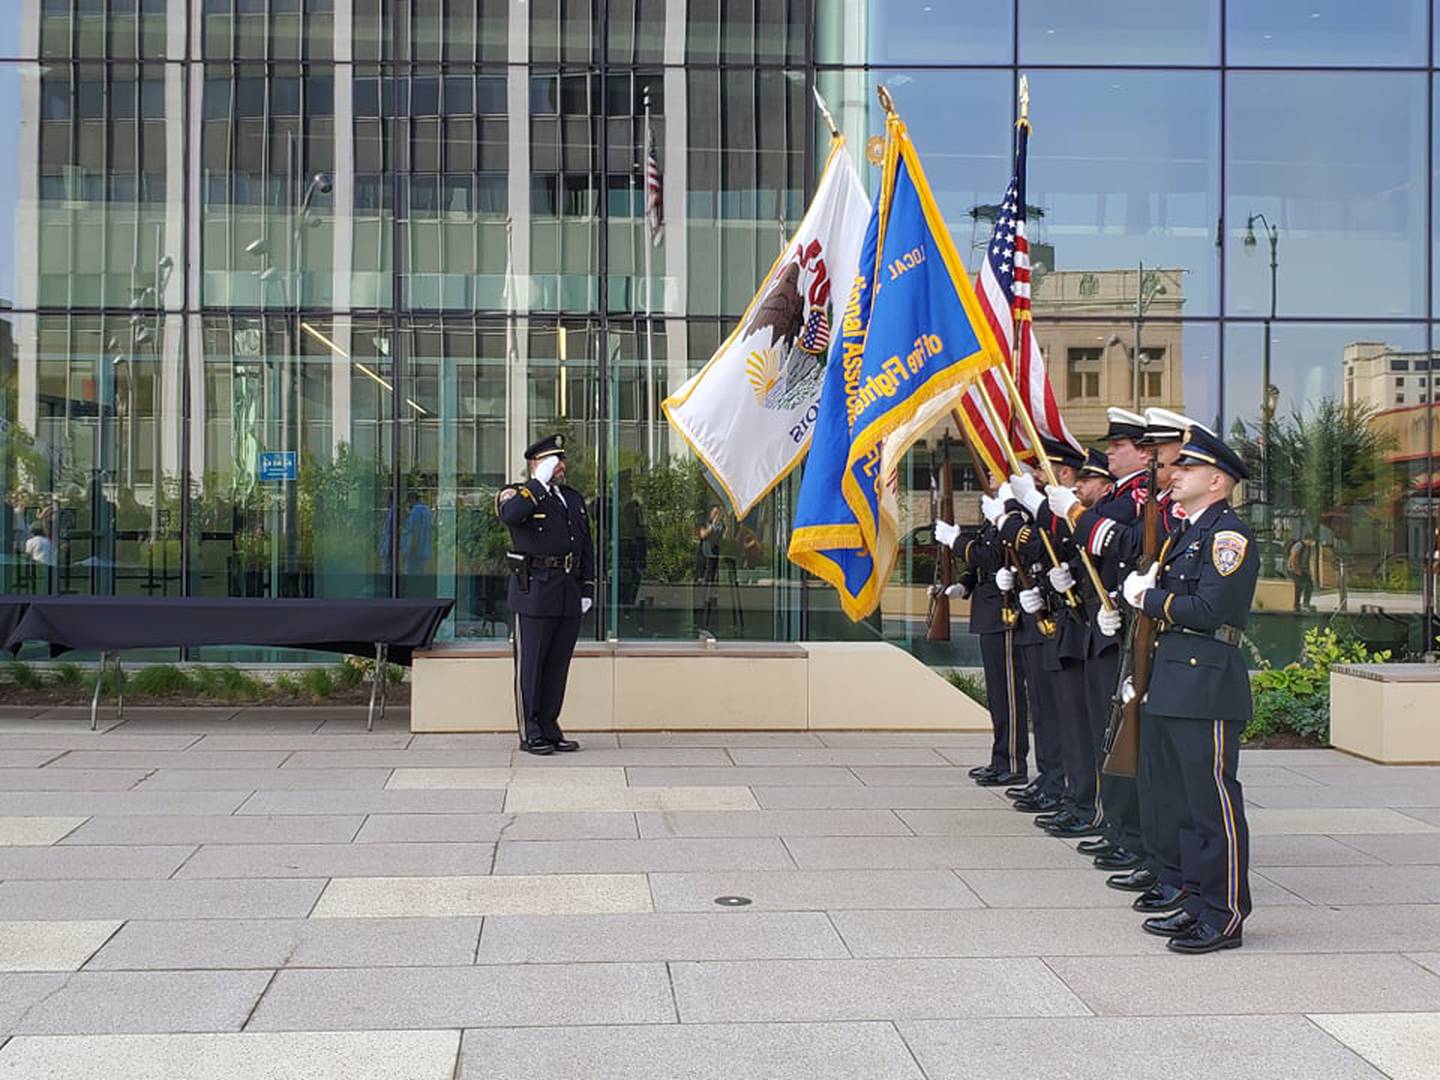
(506, 494)
(1228, 551)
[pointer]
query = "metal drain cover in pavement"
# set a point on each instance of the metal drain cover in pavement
(732, 901)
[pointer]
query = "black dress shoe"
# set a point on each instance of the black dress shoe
(565, 746)
(1022, 792)
(1098, 846)
(1159, 899)
(1118, 859)
(539, 747)
(1000, 779)
(1203, 938)
(1171, 926)
(1075, 826)
(1141, 880)
(1039, 803)
(979, 771)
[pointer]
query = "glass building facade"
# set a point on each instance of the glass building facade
(286, 286)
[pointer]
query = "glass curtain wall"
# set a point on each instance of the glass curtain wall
(286, 287)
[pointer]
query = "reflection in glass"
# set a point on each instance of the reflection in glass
(1336, 163)
(1288, 33)
(1120, 32)
(913, 32)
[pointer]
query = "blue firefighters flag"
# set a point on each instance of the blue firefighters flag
(911, 339)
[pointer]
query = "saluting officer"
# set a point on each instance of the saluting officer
(552, 585)
(1199, 699)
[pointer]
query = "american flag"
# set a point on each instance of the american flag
(654, 191)
(1003, 289)
(815, 338)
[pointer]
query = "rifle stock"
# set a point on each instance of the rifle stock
(1137, 657)
(937, 626)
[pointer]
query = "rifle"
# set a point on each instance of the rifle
(942, 507)
(1137, 657)
(1044, 622)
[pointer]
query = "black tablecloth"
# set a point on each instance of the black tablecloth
(12, 610)
(96, 623)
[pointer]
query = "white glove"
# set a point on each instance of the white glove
(1005, 492)
(1061, 580)
(1061, 499)
(946, 534)
(958, 591)
(1136, 584)
(1109, 620)
(1127, 691)
(1031, 601)
(993, 509)
(1005, 578)
(585, 605)
(1025, 490)
(546, 468)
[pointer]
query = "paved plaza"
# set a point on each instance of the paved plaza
(231, 895)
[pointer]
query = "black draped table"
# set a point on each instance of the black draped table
(389, 630)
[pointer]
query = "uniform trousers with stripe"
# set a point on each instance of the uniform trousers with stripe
(543, 646)
(1198, 759)
(1077, 746)
(1117, 807)
(1005, 693)
(1045, 719)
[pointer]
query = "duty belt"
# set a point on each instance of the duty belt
(1230, 635)
(564, 562)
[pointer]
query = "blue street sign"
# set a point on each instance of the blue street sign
(277, 465)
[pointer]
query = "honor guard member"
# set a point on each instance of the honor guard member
(552, 584)
(994, 618)
(1200, 591)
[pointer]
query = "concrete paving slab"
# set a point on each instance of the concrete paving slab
(265, 780)
(1306, 850)
(1393, 795)
(429, 897)
(724, 935)
(1264, 821)
(1295, 757)
(471, 997)
(767, 990)
(55, 738)
(699, 823)
(1247, 983)
(1007, 852)
(319, 1055)
(1428, 817)
(659, 757)
(1404, 1047)
(1184, 1048)
(844, 755)
(373, 802)
(640, 856)
(1399, 849)
(280, 740)
(157, 899)
(41, 945)
(866, 1051)
(36, 831)
(1368, 774)
(27, 759)
(538, 799)
(405, 779)
(70, 779)
(170, 759)
(88, 803)
(814, 890)
(954, 797)
(1275, 776)
(905, 776)
(247, 861)
(996, 822)
(1429, 961)
(472, 828)
(749, 776)
(395, 759)
(20, 991)
(101, 863)
(680, 739)
(1083, 887)
(184, 944)
(944, 740)
(104, 1002)
(197, 829)
(497, 740)
(1337, 885)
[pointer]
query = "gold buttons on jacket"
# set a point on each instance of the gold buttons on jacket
(1192, 661)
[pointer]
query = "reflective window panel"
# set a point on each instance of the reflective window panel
(1301, 33)
(1119, 32)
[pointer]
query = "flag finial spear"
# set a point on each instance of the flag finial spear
(886, 101)
(1024, 120)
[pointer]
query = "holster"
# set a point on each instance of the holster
(519, 565)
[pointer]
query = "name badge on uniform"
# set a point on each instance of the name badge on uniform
(1229, 551)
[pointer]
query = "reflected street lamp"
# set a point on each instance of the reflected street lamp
(1147, 288)
(1269, 394)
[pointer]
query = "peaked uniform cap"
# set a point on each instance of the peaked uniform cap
(548, 446)
(1097, 464)
(1202, 447)
(1124, 424)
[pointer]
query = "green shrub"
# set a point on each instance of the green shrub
(1296, 697)
(972, 686)
(227, 684)
(24, 676)
(317, 682)
(71, 676)
(160, 680)
(287, 685)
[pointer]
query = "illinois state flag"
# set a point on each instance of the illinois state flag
(750, 411)
(912, 340)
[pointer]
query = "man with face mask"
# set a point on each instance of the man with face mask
(552, 586)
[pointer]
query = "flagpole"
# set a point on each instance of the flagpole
(649, 245)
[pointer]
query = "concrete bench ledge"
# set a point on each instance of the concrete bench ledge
(737, 650)
(1399, 673)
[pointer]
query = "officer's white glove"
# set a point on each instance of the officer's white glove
(1025, 490)
(1109, 621)
(1005, 578)
(993, 509)
(1127, 691)
(1137, 583)
(1061, 499)
(958, 590)
(1005, 492)
(946, 534)
(1061, 580)
(546, 468)
(1031, 601)
(585, 605)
